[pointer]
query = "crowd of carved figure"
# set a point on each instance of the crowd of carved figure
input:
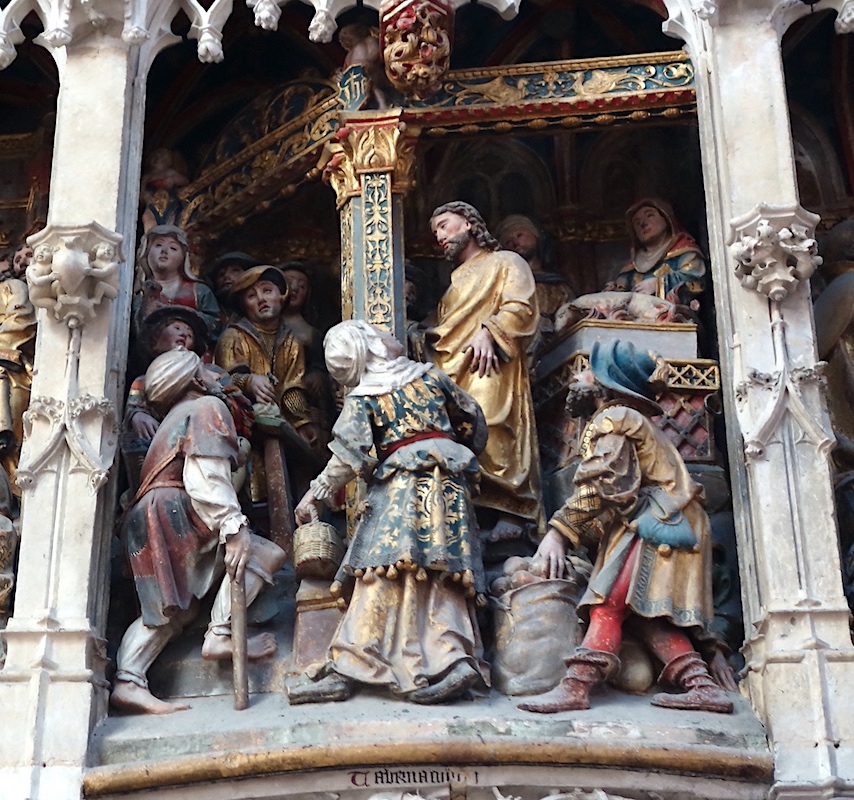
(432, 491)
(428, 529)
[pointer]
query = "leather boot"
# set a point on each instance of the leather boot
(689, 672)
(586, 669)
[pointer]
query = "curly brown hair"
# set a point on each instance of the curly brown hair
(471, 215)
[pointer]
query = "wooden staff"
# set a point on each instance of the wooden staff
(239, 660)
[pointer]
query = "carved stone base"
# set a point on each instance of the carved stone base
(368, 748)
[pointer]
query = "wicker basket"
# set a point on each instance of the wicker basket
(318, 550)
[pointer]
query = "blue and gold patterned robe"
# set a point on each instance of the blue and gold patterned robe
(418, 508)
(414, 560)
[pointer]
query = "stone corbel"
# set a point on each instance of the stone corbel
(73, 276)
(774, 249)
(774, 252)
(74, 269)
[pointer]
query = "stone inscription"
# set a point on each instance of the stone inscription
(436, 776)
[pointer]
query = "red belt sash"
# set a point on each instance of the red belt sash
(418, 437)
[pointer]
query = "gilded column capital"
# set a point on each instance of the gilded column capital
(371, 142)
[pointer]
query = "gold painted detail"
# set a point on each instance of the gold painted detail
(378, 267)
(699, 375)
(288, 246)
(372, 142)
(521, 121)
(566, 82)
(16, 145)
(252, 154)
(339, 173)
(688, 406)
(269, 142)
(353, 88)
(416, 45)
(373, 149)
(582, 230)
(347, 264)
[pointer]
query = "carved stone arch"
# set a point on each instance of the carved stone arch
(497, 176)
(626, 164)
(820, 180)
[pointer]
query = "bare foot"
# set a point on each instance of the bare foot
(217, 646)
(127, 696)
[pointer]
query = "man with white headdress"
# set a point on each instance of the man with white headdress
(184, 513)
(414, 562)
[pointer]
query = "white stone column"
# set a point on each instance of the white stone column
(800, 661)
(52, 687)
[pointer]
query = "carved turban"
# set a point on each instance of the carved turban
(169, 375)
(517, 221)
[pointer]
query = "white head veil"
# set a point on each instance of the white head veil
(357, 356)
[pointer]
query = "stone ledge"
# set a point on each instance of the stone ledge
(212, 743)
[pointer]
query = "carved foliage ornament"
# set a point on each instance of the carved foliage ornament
(416, 40)
(370, 143)
(774, 249)
(74, 275)
(373, 149)
(144, 21)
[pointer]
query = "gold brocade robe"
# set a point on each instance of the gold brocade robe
(496, 290)
(624, 456)
(243, 350)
